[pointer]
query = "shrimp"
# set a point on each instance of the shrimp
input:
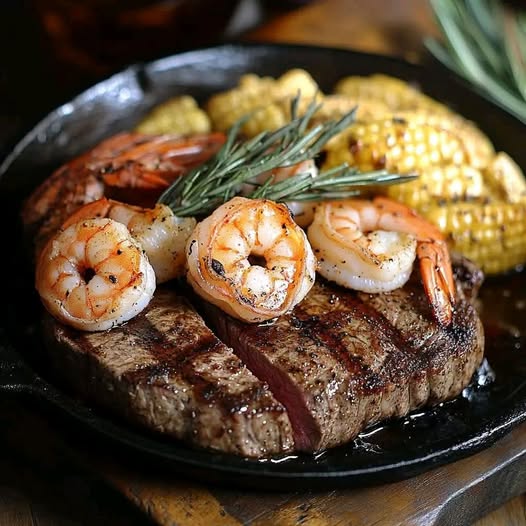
(93, 275)
(117, 168)
(160, 233)
(251, 259)
(153, 161)
(371, 246)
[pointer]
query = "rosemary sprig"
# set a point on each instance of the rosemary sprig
(340, 182)
(203, 189)
(485, 43)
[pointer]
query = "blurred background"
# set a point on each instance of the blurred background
(52, 49)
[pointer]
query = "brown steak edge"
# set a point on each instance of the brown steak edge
(167, 371)
(341, 361)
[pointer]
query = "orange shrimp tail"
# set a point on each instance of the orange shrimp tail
(98, 208)
(437, 278)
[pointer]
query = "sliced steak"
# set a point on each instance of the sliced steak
(167, 370)
(343, 360)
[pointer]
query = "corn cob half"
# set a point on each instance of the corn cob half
(179, 115)
(492, 234)
(399, 145)
(270, 96)
(396, 93)
(478, 145)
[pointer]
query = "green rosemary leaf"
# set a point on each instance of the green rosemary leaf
(514, 50)
(485, 43)
(201, 190)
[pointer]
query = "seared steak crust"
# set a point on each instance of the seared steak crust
(309, 380)
(167, 370)
(343, 360)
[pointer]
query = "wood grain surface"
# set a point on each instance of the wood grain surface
(394, 27)
(49, 476)
(53, 474)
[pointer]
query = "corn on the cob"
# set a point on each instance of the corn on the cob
(440, 184)
(505, 179)
(178, 115)
(493, 234)
(397, 94)
(395, 144)
(271, 96)
(335, 106)
(407, 102)
(479, 147)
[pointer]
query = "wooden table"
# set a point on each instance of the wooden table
(46, 479)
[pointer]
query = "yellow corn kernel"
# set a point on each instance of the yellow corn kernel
(397, 94)
(296, 81)
(255, 92)
(438, 184)
(492, 234)
(397, 145)
(180, 115)
(270, 117)
(505, 179)
(479, 147)
(334, 107)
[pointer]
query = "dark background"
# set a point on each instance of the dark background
(46, 58)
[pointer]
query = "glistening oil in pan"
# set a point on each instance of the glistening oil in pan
(501, 377)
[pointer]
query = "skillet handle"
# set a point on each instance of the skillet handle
(15, 375)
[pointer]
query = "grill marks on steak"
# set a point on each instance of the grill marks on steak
(447, 356)
(167, 370)
(341, 360)
(313, 379)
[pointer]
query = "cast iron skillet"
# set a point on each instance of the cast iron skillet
(395, 450)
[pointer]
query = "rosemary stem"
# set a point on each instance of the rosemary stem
(222, 177)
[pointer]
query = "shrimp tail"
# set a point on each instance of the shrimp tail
(98, 208)
(437, 278)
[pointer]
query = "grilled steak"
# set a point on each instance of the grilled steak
(313, 379)
(167, 370)
(343, 360)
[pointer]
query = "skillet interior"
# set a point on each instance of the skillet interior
(395, 450)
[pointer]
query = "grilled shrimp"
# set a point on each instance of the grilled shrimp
(117, 168)
(93, 275)
(251, 259)
(159, 232)
(145, 161)
(371, 246)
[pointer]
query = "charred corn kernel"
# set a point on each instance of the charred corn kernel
(255, 92)
(397, 94)
(505, 179)
(395, 144)
(438, 184)
(493, 234)
(178, 115)
(477, 144)
(336, 106)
